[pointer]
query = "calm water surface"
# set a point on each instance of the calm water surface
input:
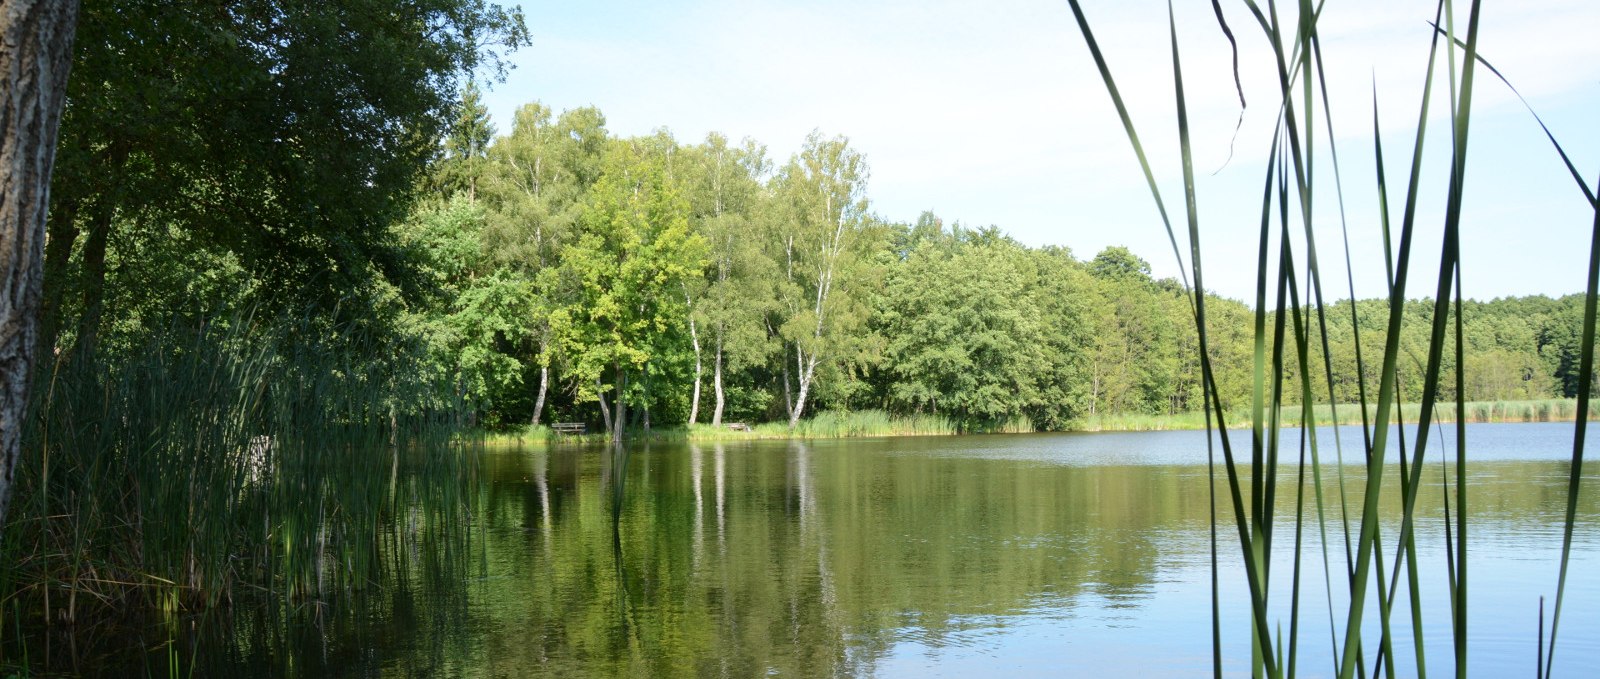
(1005, 555)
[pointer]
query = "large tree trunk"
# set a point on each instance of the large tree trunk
(716, 382)
(35, 57)
(102, 217)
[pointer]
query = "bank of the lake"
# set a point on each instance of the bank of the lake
(876, 423)
(1479, 412)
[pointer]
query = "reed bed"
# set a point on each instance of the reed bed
(1139, 422)
(1290, 319)
(282, 462)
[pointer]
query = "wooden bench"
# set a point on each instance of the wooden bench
(564, 428)
(737, 426)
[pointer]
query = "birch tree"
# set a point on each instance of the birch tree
(820, 240)
(736, 292)
(541, 173)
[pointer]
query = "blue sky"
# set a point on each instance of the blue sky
(992, 113)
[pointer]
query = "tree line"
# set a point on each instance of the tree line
(580, 275)
(559, 272)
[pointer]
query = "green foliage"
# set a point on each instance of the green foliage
(1117, 263)
(285, 135)
(628, 262)
(585, 262)
(824, 240)
(963, 334)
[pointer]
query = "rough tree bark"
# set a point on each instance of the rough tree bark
(35, 57)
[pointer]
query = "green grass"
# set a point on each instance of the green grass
(823, 425)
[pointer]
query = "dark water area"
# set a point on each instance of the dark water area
(1001, 555)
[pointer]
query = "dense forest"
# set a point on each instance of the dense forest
(560, 272)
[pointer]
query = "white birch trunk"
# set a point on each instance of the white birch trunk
(694, 341)
(544, 386)
(716, 384)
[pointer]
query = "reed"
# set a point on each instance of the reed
(235, 460)
(1292, 329)
(1140, 422)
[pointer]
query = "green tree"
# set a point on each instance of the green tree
(466, 148)
(1062, 299)
(630, 258)
(1118, 263)
(536, 185)
(736, 293)
(963, 336)
(822, 234)
(291, 134)
(472, 314)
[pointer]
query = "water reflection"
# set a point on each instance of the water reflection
(907, 557)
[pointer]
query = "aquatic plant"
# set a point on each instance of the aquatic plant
(1286, 332)
(233, 459)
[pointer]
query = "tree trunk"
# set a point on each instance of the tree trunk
(605, 412)
(716, 382)
(63, 234)
(94, 280)
(35, 57)
(621, 419)
(1094, 392)
(645, 404)
(788, 396)
(806, 374)
(544, 386)
(694, 401)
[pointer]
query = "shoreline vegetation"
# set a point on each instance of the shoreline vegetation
(877, 423)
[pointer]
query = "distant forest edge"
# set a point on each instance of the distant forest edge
(560, 273)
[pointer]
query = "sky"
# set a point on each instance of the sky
(992, 113)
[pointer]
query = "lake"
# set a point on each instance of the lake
(1001, 555)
